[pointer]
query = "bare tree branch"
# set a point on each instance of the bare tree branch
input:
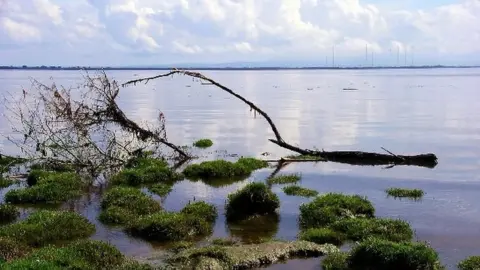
(351, 157)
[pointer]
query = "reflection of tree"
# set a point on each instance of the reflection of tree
(255, 229)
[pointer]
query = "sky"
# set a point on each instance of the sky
(163, 32)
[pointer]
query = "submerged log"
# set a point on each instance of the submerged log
(366, 158)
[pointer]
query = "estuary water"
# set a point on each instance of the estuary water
(404, 111)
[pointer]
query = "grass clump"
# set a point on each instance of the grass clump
(203, 143)
(11, 249)
(46, 227)
(247, 256)
(201, 210)
(122, 204)
(322, 236)
(335, 261)
(224, 242)
(357, 229)
(295, 190)
(253, 199)
(405, 193)
(8, 213)
(144, 171)
(470, 263)
(328, 208)
(382, 254)
(81, 255)
(5, 182)
(284, 179)
(224, 169)
(169, 226)
(51, 188)
(161, 189)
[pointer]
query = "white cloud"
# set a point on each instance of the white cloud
(238, 30)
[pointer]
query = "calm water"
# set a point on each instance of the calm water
(405, 111)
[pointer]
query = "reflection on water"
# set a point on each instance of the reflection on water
(405, 111)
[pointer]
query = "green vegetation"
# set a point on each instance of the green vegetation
(144, 171)
(53, 167)
(470, 263)
(50, 188)
(331, 207)
(169, 226)
(161, 189)
(5, 182)
(180, 245)
(383, 254)
(253, 199)
(46, 227)
(8, 213)
(295, 190)
(35, 175)
(203, 143)
(383, 228)
(81, 255)
(322, 236)
(335, 261)
(201, 210)
(405, 193)
(284, 179)
(246, 256)
(224, 242)
(7, 161)
(11, 249)
(122, 204)
(224, 169)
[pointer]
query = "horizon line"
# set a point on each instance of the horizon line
(187, 67)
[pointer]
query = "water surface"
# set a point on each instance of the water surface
(405, 111)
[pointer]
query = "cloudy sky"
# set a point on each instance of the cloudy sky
(159, 32)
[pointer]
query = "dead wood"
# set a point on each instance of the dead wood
(351, 157)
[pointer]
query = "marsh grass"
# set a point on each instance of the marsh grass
(382, 254)
(254, 199)
(145, 171)
(11, 249)
(47, 227)
(470, 263)
(284, 179)
(81, 255)
(322, 236)
(243, 167)
(123, 204)
(169, 226)
(48, 188)
(405, 193)
(8, 213)
(224, 242)
(6, 182)
(203, 143)
(295, 190)
(331, 207)
(358, 229)
(336, 261)
(202, 210)
(161, 189)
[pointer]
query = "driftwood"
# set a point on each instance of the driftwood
(350, 157)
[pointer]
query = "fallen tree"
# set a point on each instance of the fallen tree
(350, 157)
(82, 126)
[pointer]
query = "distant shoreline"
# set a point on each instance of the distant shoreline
(227, 68)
